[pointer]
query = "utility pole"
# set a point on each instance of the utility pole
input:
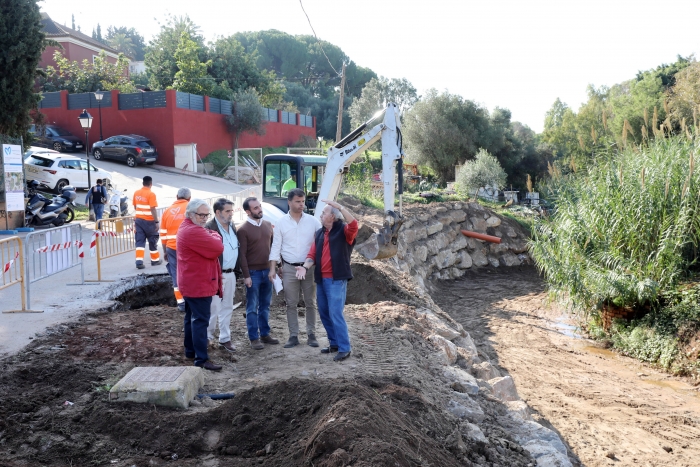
(339, 128)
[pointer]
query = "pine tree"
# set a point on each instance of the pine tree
(21, 44)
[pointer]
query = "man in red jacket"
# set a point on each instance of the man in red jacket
(199, 278)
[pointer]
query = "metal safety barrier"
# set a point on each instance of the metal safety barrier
(12, 263)
(51, 251)
(112, 237)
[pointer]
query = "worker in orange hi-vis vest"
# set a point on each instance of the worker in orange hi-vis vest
(169, 223)
(146, 223)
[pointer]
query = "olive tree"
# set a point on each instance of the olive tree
(483, 171)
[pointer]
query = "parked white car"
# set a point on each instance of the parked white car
(55, 170)
(35, 149)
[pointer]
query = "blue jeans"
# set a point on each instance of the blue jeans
(99, 209)
(257, 308)
(196, 323)
(330, 298)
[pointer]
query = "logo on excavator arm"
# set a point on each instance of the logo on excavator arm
(348, 151)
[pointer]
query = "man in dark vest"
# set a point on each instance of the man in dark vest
(330, 253)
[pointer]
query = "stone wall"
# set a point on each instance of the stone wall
(432, 247)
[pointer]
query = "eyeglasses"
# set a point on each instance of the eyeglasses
(202, 216)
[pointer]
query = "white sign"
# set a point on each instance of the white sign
(14, 201)
(12, 156)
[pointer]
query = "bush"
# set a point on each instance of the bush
(625, 230)
(483, 171)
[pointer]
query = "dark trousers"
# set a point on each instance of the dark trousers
(146, 231)
(196, 322)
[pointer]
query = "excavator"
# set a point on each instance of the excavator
(320, 177)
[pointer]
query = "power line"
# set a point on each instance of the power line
(317, 40)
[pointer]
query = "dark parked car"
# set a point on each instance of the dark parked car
(132, 149)
(56, 138)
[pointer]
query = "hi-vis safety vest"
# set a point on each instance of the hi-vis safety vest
(172, 218)
(144, 200)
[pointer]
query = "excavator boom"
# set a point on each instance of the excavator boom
(384, 126)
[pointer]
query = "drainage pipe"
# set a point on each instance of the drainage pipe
(488, 238)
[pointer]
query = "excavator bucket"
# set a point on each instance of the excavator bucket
(383, 244)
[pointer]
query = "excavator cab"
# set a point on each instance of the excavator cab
(283, 172)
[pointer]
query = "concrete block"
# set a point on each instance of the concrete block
(171, 386)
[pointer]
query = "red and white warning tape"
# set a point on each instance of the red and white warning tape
(63, 246)
(9, 265)
(102, 233)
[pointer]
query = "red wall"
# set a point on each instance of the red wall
(169, 126)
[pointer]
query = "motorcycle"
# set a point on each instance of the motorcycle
(41, 210)
(117, 203)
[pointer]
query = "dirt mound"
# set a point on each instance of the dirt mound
(293, 422)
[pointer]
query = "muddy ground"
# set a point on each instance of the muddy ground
(383, 406)
(609, 409)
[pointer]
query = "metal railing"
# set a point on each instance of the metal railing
(113, 237)
(51, 251)
(12, 264)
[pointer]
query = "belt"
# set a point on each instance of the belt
(227, 271)
(292, 264)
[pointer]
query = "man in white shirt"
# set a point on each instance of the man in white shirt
(222, 307)
(294, 234)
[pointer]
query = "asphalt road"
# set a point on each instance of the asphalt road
(166, 181)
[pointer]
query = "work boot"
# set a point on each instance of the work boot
(228, 346)
(311, 341)
(140, 265)
(269, 340)
(181, 307)
(256, 344)
(211, 366)
(292, 342)
(341, 356)
(157, 263)
(330, 349)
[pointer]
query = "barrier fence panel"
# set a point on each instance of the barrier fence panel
(113, 237)
(51, 251)
(12, 264)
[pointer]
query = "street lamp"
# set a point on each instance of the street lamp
(86, 122)
(98, 97)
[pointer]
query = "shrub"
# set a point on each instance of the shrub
(483, 171)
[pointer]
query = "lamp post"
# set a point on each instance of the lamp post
(86, 122)
(98, 97)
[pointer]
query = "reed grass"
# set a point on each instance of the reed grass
(625, 229)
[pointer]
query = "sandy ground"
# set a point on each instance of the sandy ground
(609, 409)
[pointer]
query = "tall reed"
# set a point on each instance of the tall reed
(624, 229)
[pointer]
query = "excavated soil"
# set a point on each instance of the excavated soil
(610, 410)
(383, 406)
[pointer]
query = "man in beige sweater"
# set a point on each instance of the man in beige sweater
(255, 238)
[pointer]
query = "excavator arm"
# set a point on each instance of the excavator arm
(384, 126)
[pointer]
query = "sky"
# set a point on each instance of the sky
(516, 54)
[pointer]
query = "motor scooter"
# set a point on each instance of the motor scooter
(41, 210)
(118, 202)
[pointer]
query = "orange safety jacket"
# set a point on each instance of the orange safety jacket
(172, 218)
(144, 200)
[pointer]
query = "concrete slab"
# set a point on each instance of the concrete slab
(170, 386)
